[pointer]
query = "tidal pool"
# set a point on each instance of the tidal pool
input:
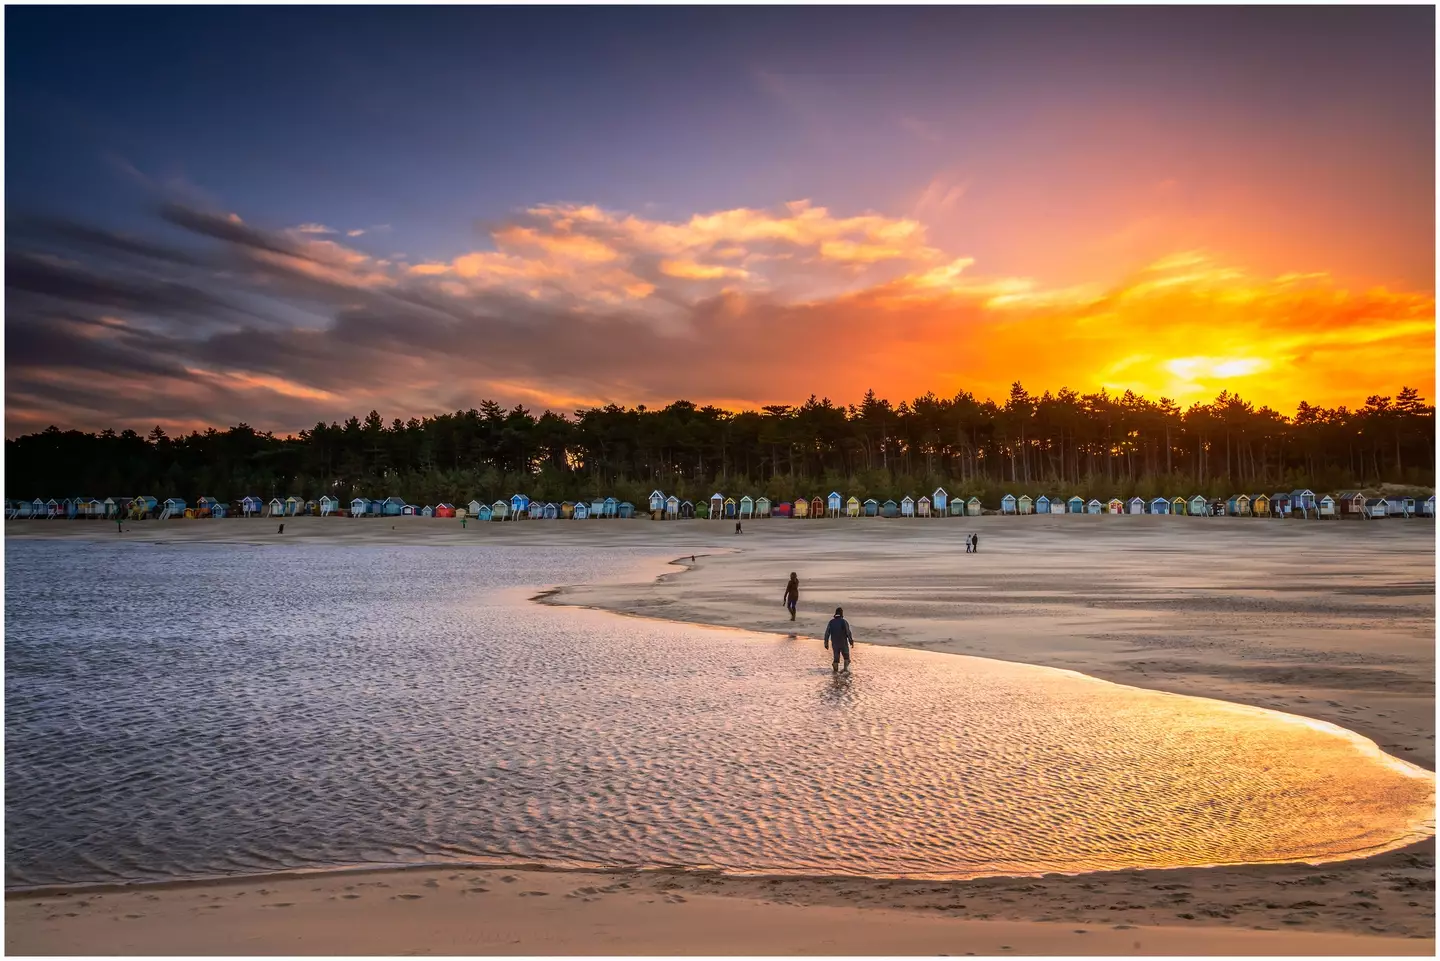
(194, 711)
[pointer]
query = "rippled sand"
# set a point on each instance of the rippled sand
(205, 711)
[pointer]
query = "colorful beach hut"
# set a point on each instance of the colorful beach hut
(1159, 505)
(597, 509)
(1260, 505)
(732, 509)
(1427, 507)
(328, 505)
(1376, 507)
(922, 507)
(500, 510)
(1136, 505)
(294, 506)
(687, 510)
(1094, 507)
(1351, 503)
(801, 507)
(1280, 504)
(392, 506)
(907, 506)
(1025, 505)
(834, 504)
(276, 507)
(1042, 504)
(783, 509)
(1325, 506)
(939, 501)
(957, 507)
(1302, 500)
(717, 506)
(483, 512)
(1238, 505)
(817, 506)
(359, 507)
(1075, 505)
(626, 510)
(872, 507)
(973, 507)
(889, 509)
(444, 510)
(1007, 504)
(747, 507)
(582, 511)
(1115, 506)
(1199, 506)
(852, 506)
(174, 507)
(762, 506)
(672, 507)
(251, 505)
(657, 502)
(1179, 505)
(474, 508)
(410, 510)
(427, 511)
(519, 506)
(567, 510)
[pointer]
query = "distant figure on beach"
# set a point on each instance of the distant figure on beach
(119, 524)
(462, 522)
(967, 543)
(281, 530)
(737, 527)
(974, 543)
(837, 632)
(792, 594)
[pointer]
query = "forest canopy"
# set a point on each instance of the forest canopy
(1063, 442)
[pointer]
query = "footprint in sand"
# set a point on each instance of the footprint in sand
(408, 897)
(431, 883)
(534, 894)
(475, 891)
(509, 879)
(350, 897)
(281, 904)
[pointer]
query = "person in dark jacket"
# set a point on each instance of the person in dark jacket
(792, 594)
(974, 543)
(837, 632)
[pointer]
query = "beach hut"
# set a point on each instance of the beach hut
(392, 506)
(519, 506)
(52, 508)
(872, 507)
(1093, 507)
(687, 509)
(597, 509)
(359, 507)
(1280, 504)
(174, 507)
(1260, 505)
(1198, 506)
(657, 502)
(500, 510)
(939, 501)
(672, 507)
(747, 507)
(551, 511)
(444, 510)
(1059, 506)
(973, 507)
(67, 507)
(717, 506)
(329, 505)
(957, 507)
(834, 504)
(409, 510)
(889, 509)
(482, 512)
(582, 511)
(1179, 505)
(817, 506)
(567, 510)
(111, 505)
(801, 508)
(1026, 504)
(1075, 505)
(1302, 500)
(922, 507)
(1042, 504)
(907, 506)
(1427, 507)
(276, 508)
(252, 505)
(19, 509)
(95, 508)
(294, 506)
(427, 511)
(1238, 505)
(852, 506)
(1007, 504)
(762, 507)
(145, 504)
(1136, 505)
(783, 509)
(1325, 506)
(627, 510)
(1159, 505)
(1407, 506)
(1376, 507)
(219, 510)
(1115, 506)
(1351, 503)
(474, 508)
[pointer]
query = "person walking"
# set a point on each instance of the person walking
(792, 594)
(967, 543)
(975, 543)
(837, 632)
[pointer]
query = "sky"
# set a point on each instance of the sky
(282, 216)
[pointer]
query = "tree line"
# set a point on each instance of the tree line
(1064, 442)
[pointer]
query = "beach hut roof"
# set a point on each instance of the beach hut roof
(973, 500)
(907, 499)
(853, 500)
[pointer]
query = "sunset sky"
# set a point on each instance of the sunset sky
(280, 216)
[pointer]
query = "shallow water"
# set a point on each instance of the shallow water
(200, 711)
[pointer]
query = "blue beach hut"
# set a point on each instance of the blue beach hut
(1159, 505)
(889, 509)
(672, 507)
(657, 502)
(627, 509)
(872, 507)
(1008, 504)
(834, 504)
(939, 502)
(1076, 505)
(1042, 504)
(1094, 506)
(1199, 506)
(582, 511)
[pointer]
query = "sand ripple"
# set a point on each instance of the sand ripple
(182, 712)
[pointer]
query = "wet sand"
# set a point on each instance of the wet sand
(1330, 620)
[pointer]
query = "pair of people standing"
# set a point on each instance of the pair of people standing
(838, 637)
(972, 543)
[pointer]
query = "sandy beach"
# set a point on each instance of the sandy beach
(1328, 620)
